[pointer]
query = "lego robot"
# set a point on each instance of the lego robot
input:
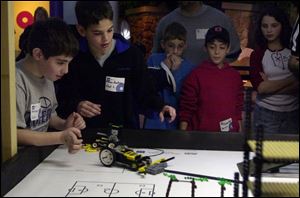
(113, 153)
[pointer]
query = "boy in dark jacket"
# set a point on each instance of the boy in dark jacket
(107, 82)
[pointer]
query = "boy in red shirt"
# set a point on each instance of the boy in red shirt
(212, 95)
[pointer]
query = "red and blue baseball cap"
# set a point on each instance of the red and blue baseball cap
(217, 32)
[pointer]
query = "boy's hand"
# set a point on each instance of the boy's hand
(71, 138)
(173, 61)
(88, 109)
(183, 125)
(168, 61)
(167, 110)
(75, 120)
(176, 61)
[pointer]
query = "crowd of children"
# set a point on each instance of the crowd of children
(102, 79)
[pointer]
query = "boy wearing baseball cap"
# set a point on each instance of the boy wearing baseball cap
(212, 95)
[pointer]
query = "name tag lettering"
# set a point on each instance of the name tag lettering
(34, 111)
(114, 84)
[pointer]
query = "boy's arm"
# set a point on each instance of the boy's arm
(69, 137)
(188, 100)
(57, 123)
(36, 138)
(159, 78)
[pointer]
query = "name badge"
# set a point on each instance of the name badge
(226, 125)
(34, 111)
(114, 84)
(200, 33)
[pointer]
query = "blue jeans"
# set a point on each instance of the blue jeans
(276, 122)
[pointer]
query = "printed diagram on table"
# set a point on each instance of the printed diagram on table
(110, 189)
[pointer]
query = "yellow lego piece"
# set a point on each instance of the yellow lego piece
(89, 148)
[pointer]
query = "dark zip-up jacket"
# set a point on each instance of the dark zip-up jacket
(86, 81)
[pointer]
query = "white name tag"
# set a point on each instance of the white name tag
(114, 84)
(200, 33)
(34, 111)
(226, 125)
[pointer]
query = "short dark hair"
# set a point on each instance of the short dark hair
(91, 12)
(53, 37)
(174, 31)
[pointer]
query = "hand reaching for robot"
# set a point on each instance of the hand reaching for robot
(167, 112)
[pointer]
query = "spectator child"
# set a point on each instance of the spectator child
(276, 108)
(169, 70)
(212, 95)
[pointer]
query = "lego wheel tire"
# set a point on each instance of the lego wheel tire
(107, 157)
(94, 145)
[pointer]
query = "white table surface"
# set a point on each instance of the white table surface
(81, 174)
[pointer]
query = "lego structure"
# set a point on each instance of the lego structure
(113, 152)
